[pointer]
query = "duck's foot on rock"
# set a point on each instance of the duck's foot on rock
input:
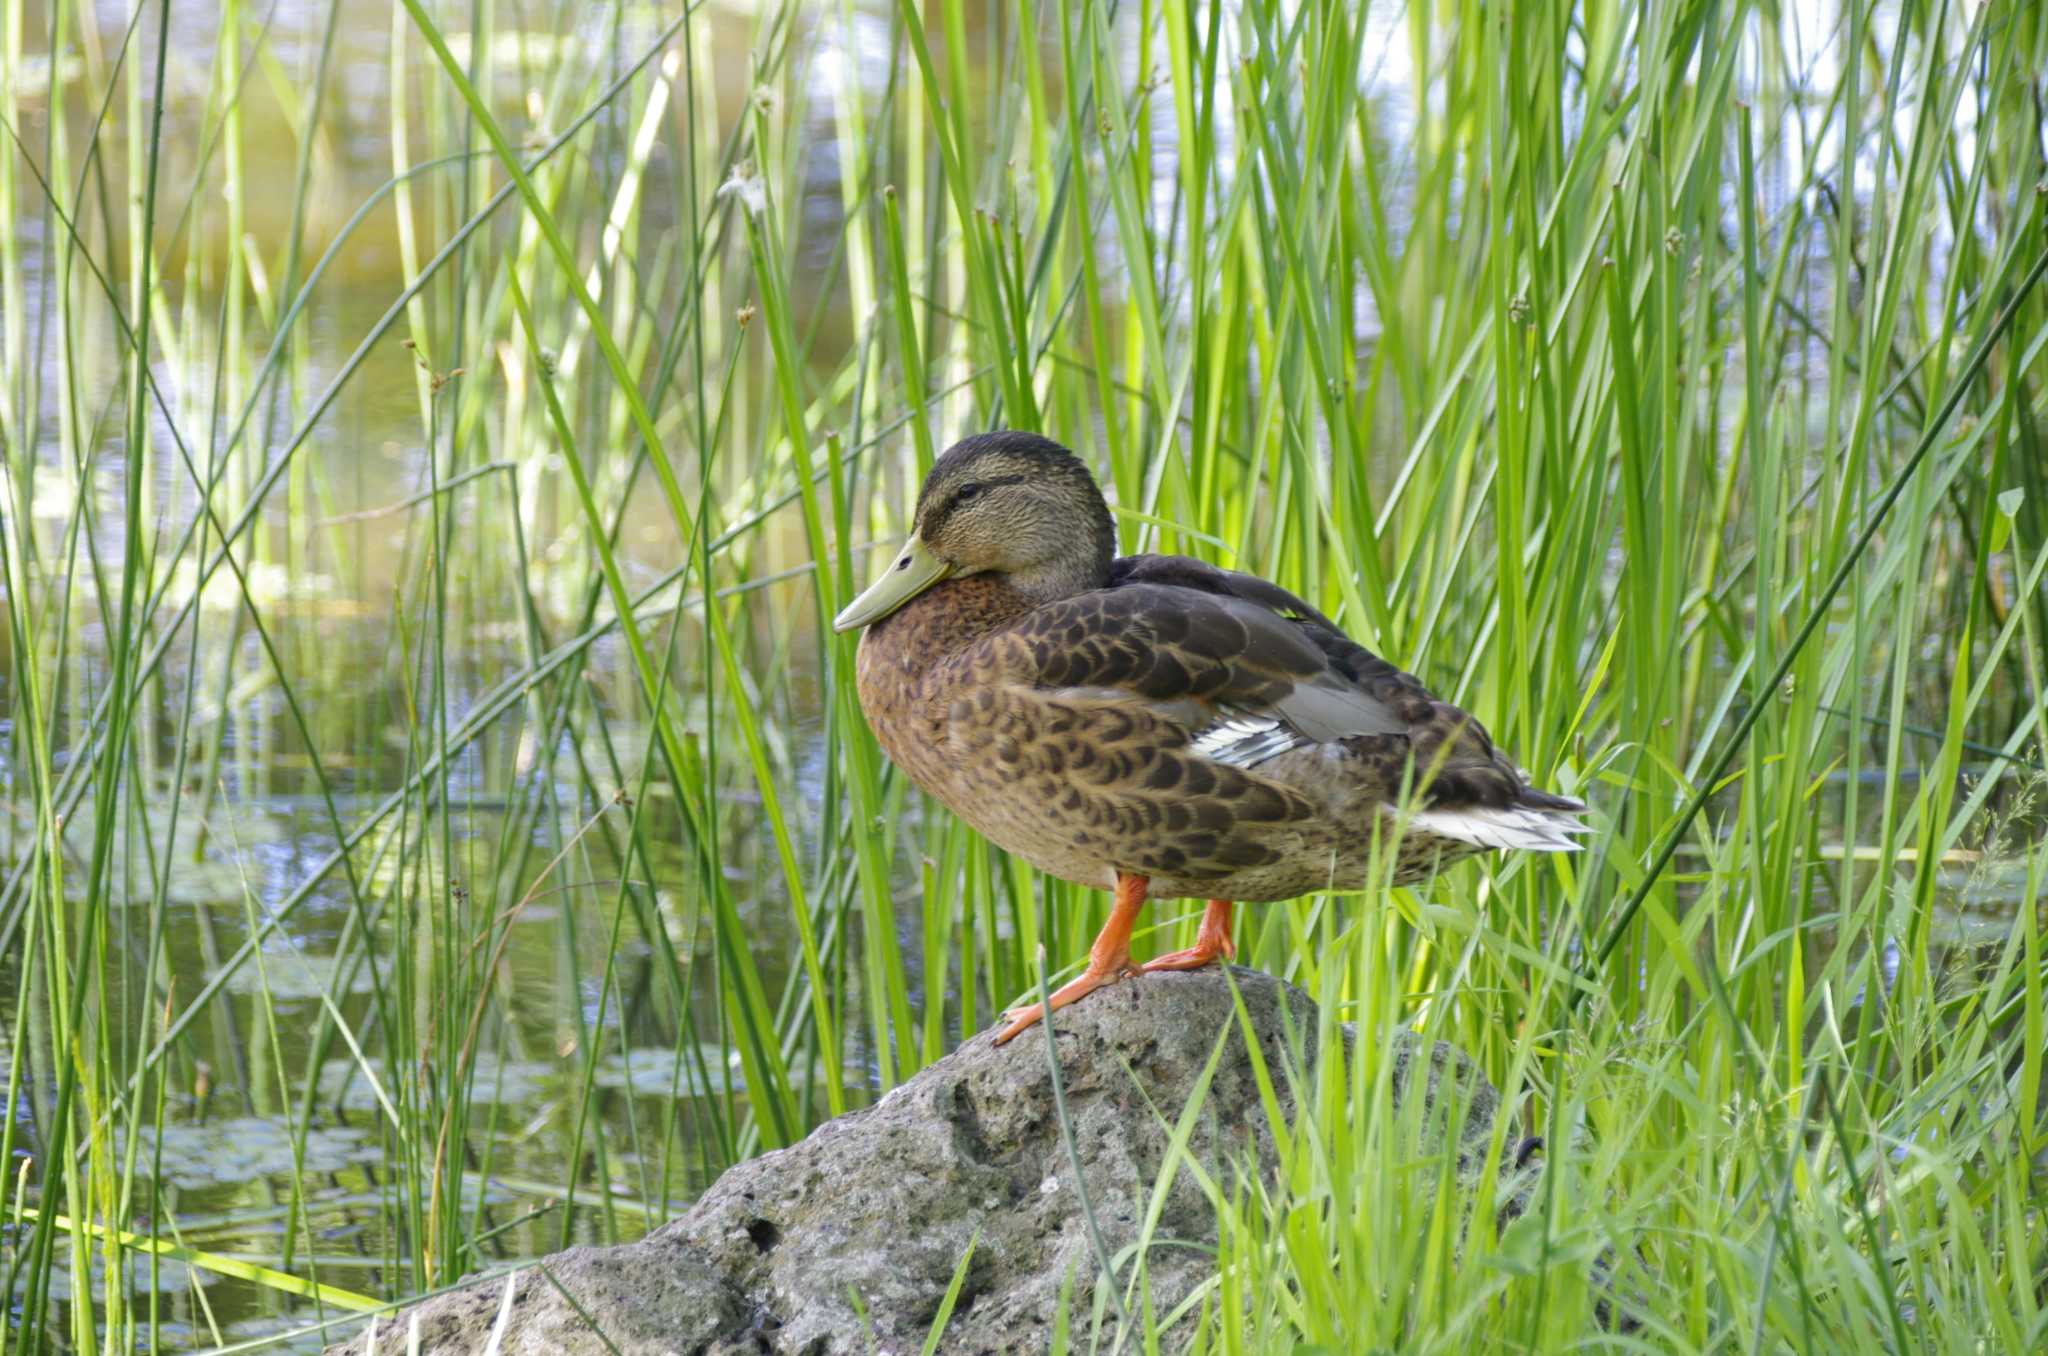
(1193, 958)
(1212, 943)
(1073, 991)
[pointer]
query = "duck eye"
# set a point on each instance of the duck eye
(966, 492)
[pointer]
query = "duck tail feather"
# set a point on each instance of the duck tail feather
(1537, 829)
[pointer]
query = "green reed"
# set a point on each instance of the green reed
(1663, 383)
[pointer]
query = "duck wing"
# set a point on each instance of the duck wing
(1257, 672)
(1237, 651)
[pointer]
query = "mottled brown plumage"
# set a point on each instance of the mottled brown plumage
(1154, 723)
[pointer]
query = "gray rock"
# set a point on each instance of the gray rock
(883, 1202)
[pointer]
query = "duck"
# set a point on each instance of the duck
(1155, 725)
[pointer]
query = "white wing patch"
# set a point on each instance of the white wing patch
(1508, 827)
(1245, 740)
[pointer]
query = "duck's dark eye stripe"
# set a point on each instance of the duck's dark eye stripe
(975, 487)
(961, 495)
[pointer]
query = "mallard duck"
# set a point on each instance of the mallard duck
(1155, 725)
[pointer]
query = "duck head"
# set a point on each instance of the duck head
(1006, 503)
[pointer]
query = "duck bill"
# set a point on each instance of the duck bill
(911, 573)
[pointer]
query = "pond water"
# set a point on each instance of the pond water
(242, 1137)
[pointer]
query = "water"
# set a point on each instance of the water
(340, 587)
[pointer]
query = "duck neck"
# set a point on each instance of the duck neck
(1078, 562)
(1059, 579)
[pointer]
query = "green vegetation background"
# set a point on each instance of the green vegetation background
(432, 443)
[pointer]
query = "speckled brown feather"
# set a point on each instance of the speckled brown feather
(1063, 732)
(1460, 765)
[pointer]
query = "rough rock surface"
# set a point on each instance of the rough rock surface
(883, 1202)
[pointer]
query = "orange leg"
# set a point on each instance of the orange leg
(1211, 940)
(1109, 959)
